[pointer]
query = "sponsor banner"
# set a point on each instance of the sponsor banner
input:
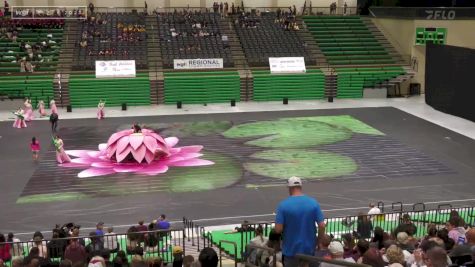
(49, 12)
(287, 65)
(115, 68)
(200, 63)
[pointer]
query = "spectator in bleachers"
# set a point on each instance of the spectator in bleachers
(97, 261)
(447, 242)
(296, 217)
(259, 239)
(208, 258)
(121, 259)
(379, 237)
(17, 261)
(361, 246)
(322, 248)
(395, 256)
(336, 253)
(56, 246)
(436, 257)
(456, 230)
(373, 209)
(364, 226)
(162, 223)
(5, 253)
(349, 247)
(373, 258)
(188, 261)
(132, 240)
(110, 240)
(15, 248)
(274, 242)
(95, 247)
(406, 225)
(75, 252)
(42, 247)
(106, 254)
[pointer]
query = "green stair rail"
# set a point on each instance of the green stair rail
(85, 90)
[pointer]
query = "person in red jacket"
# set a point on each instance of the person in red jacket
(75, 252)
(4, 249)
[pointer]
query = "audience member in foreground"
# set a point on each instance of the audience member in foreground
(208, 258)
(296, 217)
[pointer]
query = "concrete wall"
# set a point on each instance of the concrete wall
(402, 32)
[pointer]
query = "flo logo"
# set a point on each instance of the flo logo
(440, 14)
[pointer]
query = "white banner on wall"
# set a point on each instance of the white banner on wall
(115, 68)
(200, 63)
(287, 65)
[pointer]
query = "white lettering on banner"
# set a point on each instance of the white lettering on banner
(205, 63)
(287, 65)
(115, 69)
(440, 14)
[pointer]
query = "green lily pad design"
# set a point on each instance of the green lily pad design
(226, 171)
(303, 163)
(344, 121)
(38, 198)
(289, 133)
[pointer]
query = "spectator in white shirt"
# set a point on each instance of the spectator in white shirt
(373, 210)
(110, 240)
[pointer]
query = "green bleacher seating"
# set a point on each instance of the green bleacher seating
(37, 87)
(269, 87)
(10, 50)
(86, 90)
(202, 87)
(346, 41)
(351, 81)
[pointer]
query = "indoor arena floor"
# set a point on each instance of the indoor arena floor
(347, 157)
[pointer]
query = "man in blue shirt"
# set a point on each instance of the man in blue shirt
(296, 217)
(162, 223)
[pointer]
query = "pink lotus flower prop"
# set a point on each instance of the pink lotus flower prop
(144, 152)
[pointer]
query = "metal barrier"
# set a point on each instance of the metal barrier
(152, 243)
(304, 260)
(221, 256)
(338, 226)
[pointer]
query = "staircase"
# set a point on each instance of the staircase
(155, 61)
(379, 36)
(312, 46)
(331, 82)
(65, 62)
(393, 86)
(239, 59)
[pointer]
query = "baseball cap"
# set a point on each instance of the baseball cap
(294, 181)
(335, 247)
(177, 250)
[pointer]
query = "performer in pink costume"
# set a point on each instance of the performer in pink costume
(52, 105)
(41, 108)
(61, 156)
(100, 109)
(28, 110)
(20, 119)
